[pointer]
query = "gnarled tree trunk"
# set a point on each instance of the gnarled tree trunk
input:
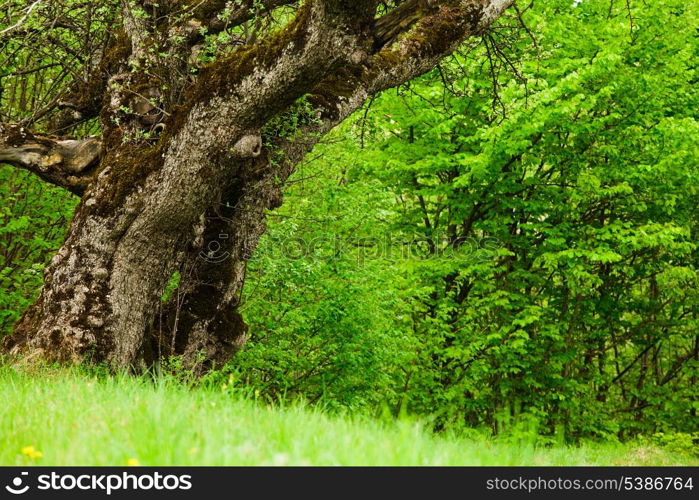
(180, 178)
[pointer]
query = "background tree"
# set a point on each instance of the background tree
(535, 246)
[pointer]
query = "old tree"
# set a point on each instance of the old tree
(185, 97)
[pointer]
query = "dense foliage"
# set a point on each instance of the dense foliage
(510, 238)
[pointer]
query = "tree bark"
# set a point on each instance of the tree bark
(194, 198)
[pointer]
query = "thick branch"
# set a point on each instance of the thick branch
(434, 37)
(64, 162)
(418, 50)
(271, 74)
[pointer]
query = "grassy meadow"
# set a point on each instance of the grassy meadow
(64, 417)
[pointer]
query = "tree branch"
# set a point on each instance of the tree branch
(256, 82)
(24, 18)
(64, 162)
(424, 43)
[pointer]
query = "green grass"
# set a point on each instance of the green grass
(72, 419)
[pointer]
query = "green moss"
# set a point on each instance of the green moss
(435, 34)
(224, 75)
(343, 84)
(118, 50)
(117, 53)
(431, 36)
(129, 166)
(387, 59)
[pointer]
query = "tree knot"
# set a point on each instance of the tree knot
(248, 146)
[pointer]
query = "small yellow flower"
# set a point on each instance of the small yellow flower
(133, 462)
(31, 452)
